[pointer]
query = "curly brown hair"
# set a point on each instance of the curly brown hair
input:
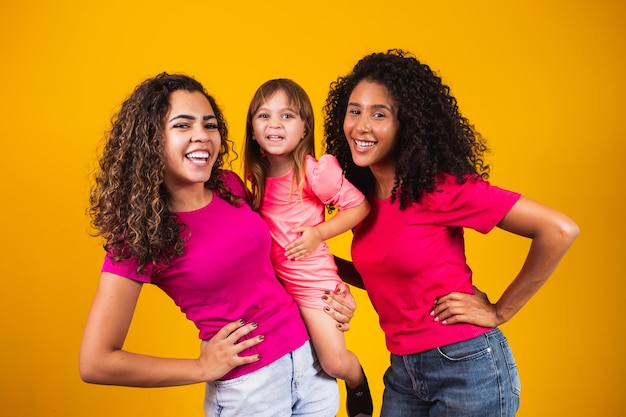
(433, 139)
(129, 203)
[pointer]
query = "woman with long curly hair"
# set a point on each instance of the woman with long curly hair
(399, 136)
(172, 216)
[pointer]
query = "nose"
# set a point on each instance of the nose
(200, 135)
(363, 124)
(200, 138)
(275, 121)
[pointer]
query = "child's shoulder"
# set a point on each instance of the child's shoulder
(325, 171)
(326, 161)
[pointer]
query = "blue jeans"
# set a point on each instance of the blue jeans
(294, 385)
(473, 378)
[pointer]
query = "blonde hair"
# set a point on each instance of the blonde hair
(256, 165)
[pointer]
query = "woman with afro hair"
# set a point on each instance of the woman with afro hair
(398, 134)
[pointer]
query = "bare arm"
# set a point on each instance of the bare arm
(348, 273)
(103, 360)
(552, 234)
(312, 237)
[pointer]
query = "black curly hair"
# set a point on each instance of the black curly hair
(129, 203)
(433, 138)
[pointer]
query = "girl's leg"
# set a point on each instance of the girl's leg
(330, 347)
(337, 360)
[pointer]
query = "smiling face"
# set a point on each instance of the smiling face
(192, 140)
(371, 126)
(278, 127)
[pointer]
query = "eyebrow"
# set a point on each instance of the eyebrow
(189, 117)
(375, 106)
(287, 108)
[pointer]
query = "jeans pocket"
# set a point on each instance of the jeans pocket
(466, 350)
(225, 383)
(516, 385)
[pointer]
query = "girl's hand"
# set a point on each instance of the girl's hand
(341, 306)
(220, 354)
(458, 307)
(310, 238)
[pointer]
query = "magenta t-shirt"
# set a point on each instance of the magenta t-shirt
(225, 274)
(408, 258)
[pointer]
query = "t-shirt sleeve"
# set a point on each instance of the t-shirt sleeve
(234, 183)
(329, 184)
(475, 204)
(126, 268)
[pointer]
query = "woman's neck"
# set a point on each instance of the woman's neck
(190, 199)
(385, 176)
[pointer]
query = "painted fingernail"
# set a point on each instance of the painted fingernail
(326, 308)
(242, 321)
(325, 297)
(254, 324)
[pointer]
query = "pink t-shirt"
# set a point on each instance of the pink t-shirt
(283, 210)
(225, 274)
(408, 258)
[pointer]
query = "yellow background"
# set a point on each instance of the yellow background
(542, 80)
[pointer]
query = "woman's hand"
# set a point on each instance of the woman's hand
(220, 354)
(458, 307)
(341, 306)
(104, 361)
(552, 234)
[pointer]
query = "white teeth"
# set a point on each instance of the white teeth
(363, 143)
(198, 155)
(274, 137)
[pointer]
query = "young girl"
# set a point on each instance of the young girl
(290, 189)
(172, 217)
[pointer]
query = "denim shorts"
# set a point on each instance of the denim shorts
(473, 378)
(294, 385)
